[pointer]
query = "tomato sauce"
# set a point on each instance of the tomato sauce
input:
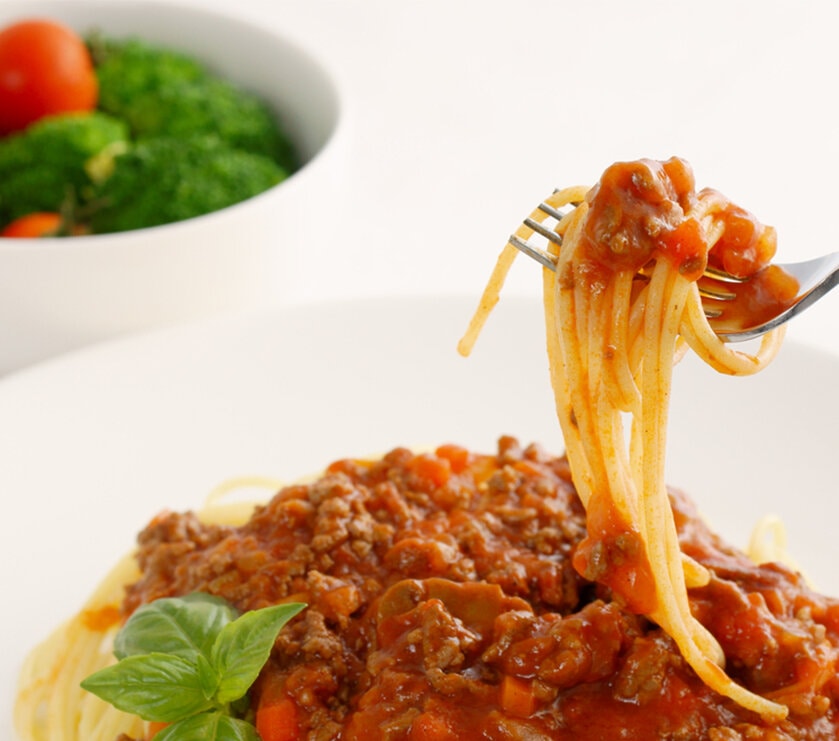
(443, 604)
(640, 212)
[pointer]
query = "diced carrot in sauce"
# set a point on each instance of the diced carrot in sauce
(276, 720)
(436, 471)
(517, 697)
(456, 455)
(510, 641)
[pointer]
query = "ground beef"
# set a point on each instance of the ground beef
(442, 604)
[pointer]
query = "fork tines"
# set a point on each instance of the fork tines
(522, 245)
(530, 249)
(713, 276)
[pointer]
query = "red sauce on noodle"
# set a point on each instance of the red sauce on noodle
(443, 604)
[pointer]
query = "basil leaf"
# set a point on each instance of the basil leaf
(208, 678)
(181, 626)
(243, 646)
(155, 686)
(214, 726)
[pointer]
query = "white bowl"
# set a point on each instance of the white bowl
(58, 294)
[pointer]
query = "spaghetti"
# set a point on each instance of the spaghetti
(460, 595)
(622, 304)
(443, 604)
(51, 706)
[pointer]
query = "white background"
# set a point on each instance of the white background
(460, 115)
(458, 118)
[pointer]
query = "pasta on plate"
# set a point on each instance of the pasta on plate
(454, 594)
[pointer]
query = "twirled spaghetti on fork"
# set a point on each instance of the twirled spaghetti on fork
(455, 595)
(620, 308)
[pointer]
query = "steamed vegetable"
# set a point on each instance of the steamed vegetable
(161, 93)
(161, 180)
(130, 69)
(43, 167)
(169, 140)
(214, 107)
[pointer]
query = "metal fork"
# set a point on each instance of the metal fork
(815, 278)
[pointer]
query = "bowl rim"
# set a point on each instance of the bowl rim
(43, 9)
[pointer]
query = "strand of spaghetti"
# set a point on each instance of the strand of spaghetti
(636, 327)
(768, 543)
(698, 647)
(492, 290)
(612, 343)
(86, 656)
(607, 420)
(708, 203)
(238, 483)
(574, 194)
(707, 345)
(51, 705)
(489, 298)
(697, 331)
(571, 374)
(558, 364)
(656, 366)
(595, 429)
(687, 572)
(558, 358)
(581, 320)
(673, 610)
(627, 396)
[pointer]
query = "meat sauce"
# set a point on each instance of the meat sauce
(640, 212)
(443, 604)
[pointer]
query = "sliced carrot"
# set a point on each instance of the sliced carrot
(517, 697)
(277, 720)
(457, 456)
(436, 471)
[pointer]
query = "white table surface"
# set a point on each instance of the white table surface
(460, 115)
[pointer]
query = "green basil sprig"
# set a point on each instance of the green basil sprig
(189, 661)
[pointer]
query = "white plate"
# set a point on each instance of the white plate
(93, 445)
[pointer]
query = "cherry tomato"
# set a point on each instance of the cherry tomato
(39, 224)
(45, 68)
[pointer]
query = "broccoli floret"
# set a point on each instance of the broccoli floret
(44, 165)
(162, 180)
(215, 107)
(128, 69)
(163, 93)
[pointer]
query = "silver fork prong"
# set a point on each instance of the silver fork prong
(545, 258)
(551, 211)
(549, 261)
(717, 294)
(547, 233)
(542, 257)
(721, 275)
(815, 278)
